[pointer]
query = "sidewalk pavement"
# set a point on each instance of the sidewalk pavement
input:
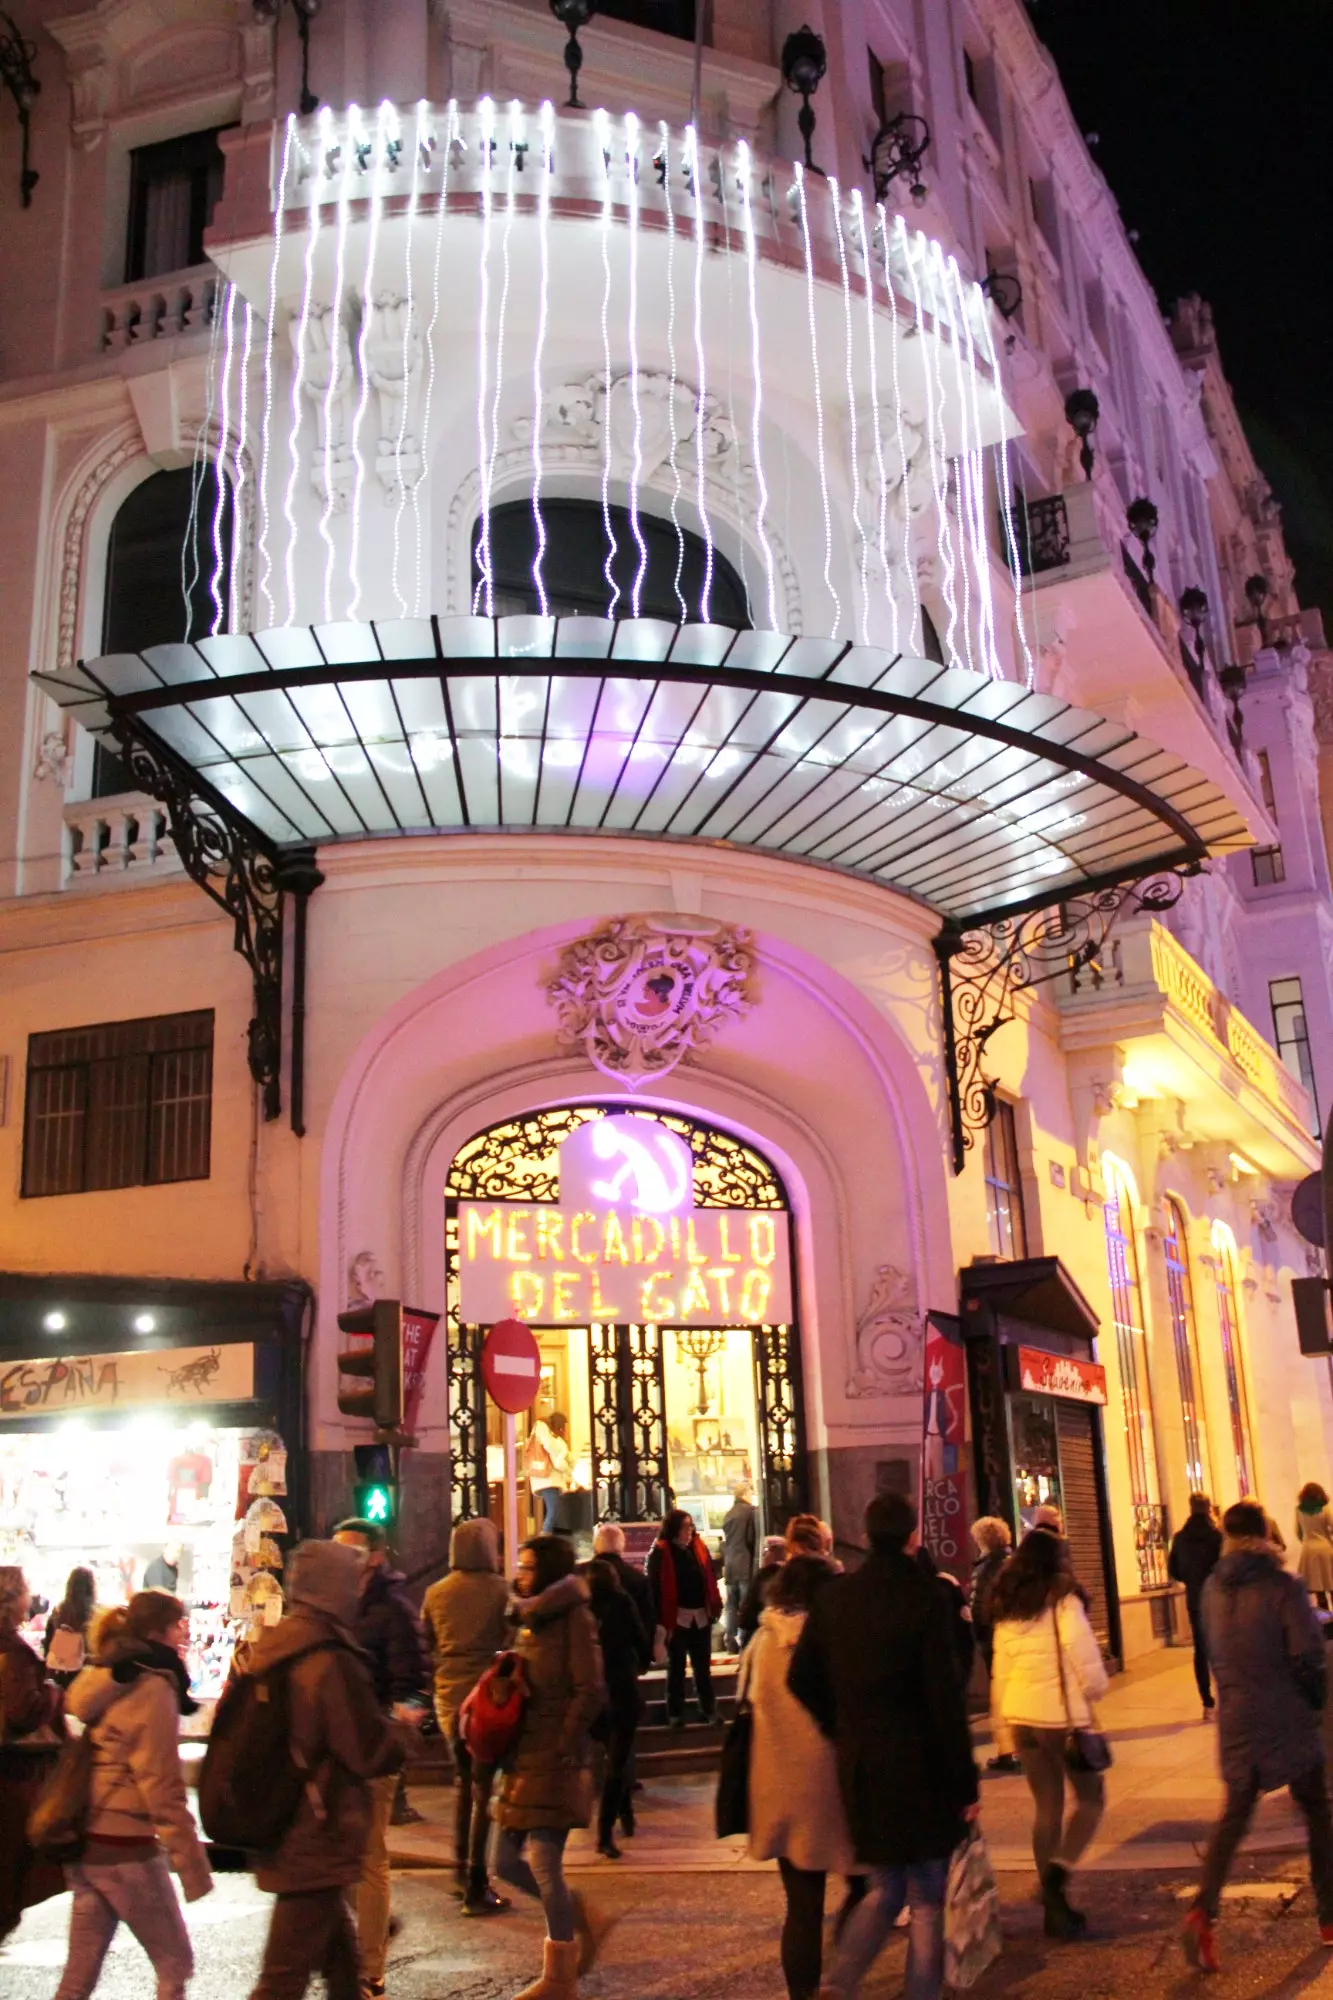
(1163, 1794)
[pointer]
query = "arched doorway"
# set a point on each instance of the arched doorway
(681, 1402)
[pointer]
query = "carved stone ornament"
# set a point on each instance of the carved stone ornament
(639, 995)
(52, 759)
(890, 1339)
(365, 1279)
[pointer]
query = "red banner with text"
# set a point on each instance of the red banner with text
(418, 1333)
(943, 1450)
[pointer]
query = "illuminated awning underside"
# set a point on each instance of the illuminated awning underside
(973, 795)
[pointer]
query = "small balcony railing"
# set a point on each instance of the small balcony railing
(159, 308)
(119, 839)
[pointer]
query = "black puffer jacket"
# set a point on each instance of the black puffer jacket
(1195, 1553)
(1266, 1650)
(390, 1631)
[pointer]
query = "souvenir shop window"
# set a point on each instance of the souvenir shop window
(123, 1104)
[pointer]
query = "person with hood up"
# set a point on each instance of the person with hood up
(1314, 1533)
(688, 1605)
(30, 1725)
(388, 1629)
(464, 1616)
(1267, 1655)
(796, 1810)
(547, 1784)
(1196, 1549)
(627, 1652)
(140, 1826)
(342, 1737)
(1048, 1673)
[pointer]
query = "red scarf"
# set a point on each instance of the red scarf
(666, 1583)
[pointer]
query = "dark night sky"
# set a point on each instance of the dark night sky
(1214, 118)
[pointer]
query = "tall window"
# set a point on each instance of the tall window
(576, 549)
(1135, 1383)
(668, 17)
(1228, 1324)
(1266, 781)
(125, 1104)
(1267, 866)
(1175, 1246)
(1004, 1186)
(174, 188)
(1290, 1032)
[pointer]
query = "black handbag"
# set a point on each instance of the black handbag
(732, 1810)
(1086, 1749)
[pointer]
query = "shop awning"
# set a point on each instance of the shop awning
(1036, 1290)
(974, 796)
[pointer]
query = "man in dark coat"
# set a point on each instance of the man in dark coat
(390, 1632)
(1195, 1552)
(875, 1665)
(740, 1549)
(609, 1545)
(1267, 1655)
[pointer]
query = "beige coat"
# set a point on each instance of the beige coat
(464, 1617)
(548, 1774)
(137, 1788)
(1026, 1673)
(1314, 1563)
(795, 1803)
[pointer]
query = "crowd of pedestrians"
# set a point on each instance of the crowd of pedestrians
(853, 1689)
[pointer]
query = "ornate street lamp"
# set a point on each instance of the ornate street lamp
(804, 61)
(1194, 610)
(573, 15)
(16, 74)
(1142, 517)
(305, 12)
(1257, 590)
(1004, 290)
(898, 148)
(1082, 411)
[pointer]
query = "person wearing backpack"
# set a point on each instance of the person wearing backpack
(464, 1616)
(547, 1785)
(65, 1646)
(139, 1827)
(341, 1739)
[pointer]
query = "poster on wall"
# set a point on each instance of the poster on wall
(944, 1447)
(183, 1377)
(418, 1334)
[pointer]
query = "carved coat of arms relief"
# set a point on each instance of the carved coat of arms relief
(643, 992)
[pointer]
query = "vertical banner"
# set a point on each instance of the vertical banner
(943, 1461)
(418, 1333)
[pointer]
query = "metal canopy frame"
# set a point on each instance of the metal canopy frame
(1019, 819)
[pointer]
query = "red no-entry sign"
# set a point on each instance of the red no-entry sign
(511, 1366)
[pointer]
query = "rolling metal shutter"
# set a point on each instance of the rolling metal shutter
(1078, 1492)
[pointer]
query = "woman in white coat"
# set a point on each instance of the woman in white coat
(1048, 1671)
(796, 1815)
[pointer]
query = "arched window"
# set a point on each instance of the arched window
(1228, 1326)
(1135, 1383)
(1175, 1249)
(162, 569)
(574, 558)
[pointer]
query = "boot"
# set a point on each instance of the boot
(483, 1901)
(1062, 1920)
(560, 1974)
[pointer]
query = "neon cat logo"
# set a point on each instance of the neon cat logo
(646, 1167)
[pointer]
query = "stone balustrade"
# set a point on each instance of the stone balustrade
(159, 308)
(1192, 993)
(120, 839)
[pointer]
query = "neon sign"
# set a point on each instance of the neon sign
(624, 1242)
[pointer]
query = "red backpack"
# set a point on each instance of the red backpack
(492, 1715)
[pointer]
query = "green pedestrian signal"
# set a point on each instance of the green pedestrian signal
(375, 1503)
(375, 1494)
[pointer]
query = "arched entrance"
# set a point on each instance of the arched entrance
(682, 1400)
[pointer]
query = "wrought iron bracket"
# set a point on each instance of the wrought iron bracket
(239, 868)
(982, 970)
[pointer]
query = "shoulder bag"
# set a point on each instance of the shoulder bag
(58, 1819)
(732, 1809)
(1086, 1749)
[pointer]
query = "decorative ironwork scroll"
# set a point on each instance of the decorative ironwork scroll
(519, 1160)
(777, 1388)
(468, 1490)
(982, 970)
(235, 865)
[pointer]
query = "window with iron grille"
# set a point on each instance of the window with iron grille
(1175, 1247)
(1267, 866)
(124, 1104)
(1004, 1185)
(174, 188)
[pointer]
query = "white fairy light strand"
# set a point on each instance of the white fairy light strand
(198, 472)
(744, 172)
(546, 171)
(298, 380)
(602, 129)
(720, 182)
(386, 112)
(881, 474)
(224, 424)
(943, 544)
(451, 138)
(915, 631)
(695, 170)
(409, 309)
(981, 543)
(672, 434)
(819, 399)
(238, 460)
(265, 563)
(835, 204)
(636, 456)
(484, 594)
(962, 457)
(501, 317)
(335, 349)
(1006, 504)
